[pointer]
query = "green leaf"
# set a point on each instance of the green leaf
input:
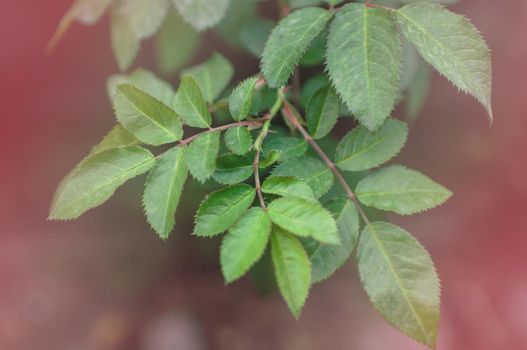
(314, 172)
(201, 155)
(288, 186)
(163, 190)
(452, 45)
(96, 178)
(296, 4)
(326, 259)
(240, 101)
(212, 76)
(305, 218)
(362, 149)
(232, 169)
(171, 57)
(132, 21)
(190, 105)
(404, 191)
(254, 34)
(311, 86)
(322, 112)
(221, 209)
(202, 14)
(289, 40)
(125, 44)
(292, 269)
(286, 147)
(363, 60)
(143, 80)
(316, 52)
(400, 279)
(148, 119)
(118, 136)
(245, 244)
(238, 140)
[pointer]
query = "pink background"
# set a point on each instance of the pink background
(106, 282)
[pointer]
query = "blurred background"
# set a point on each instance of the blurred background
(106, 281)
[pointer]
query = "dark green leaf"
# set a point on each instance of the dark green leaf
(288, 186)
(221, 209)
(314, 172)
(238, 140)
(232, 169)
(322, 112)
(201, 155)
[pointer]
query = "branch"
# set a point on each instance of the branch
(288, 113)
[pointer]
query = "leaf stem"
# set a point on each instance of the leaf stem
(258, 145)
(288, 113)
(255, 122)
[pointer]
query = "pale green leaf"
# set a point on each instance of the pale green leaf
(176, 44)
(244, 244)
(238, 140)
(221, 209)
(190, 105)
(326, 259)
(201, 155)
(163, 189)
(400, 279)
(212, 76)
(232, 169)
(404, 191)
(292, 269)
(322, 112)
(452, 45)
(313, 171)
(289, 40)
(363, 60)
(202, 14)
(288, 186)
(305, 218)
(240, 101)
(96, 178)
(362, 149)
(144, 80)
(125, 43)
(147, 118)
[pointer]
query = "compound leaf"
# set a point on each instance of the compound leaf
(400, 279)
(148, 119)
(292, 269)
(222, 208)
(404, 191)
(289, 40)
(164, 185)
(362, 149)
(304, 218)
(96, 178)
(244, 244)
(363, 60)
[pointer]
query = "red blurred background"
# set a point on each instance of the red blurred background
(106, 282)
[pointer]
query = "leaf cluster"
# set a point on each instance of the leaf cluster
(283, 185)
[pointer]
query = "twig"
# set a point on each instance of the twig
(290, 116)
